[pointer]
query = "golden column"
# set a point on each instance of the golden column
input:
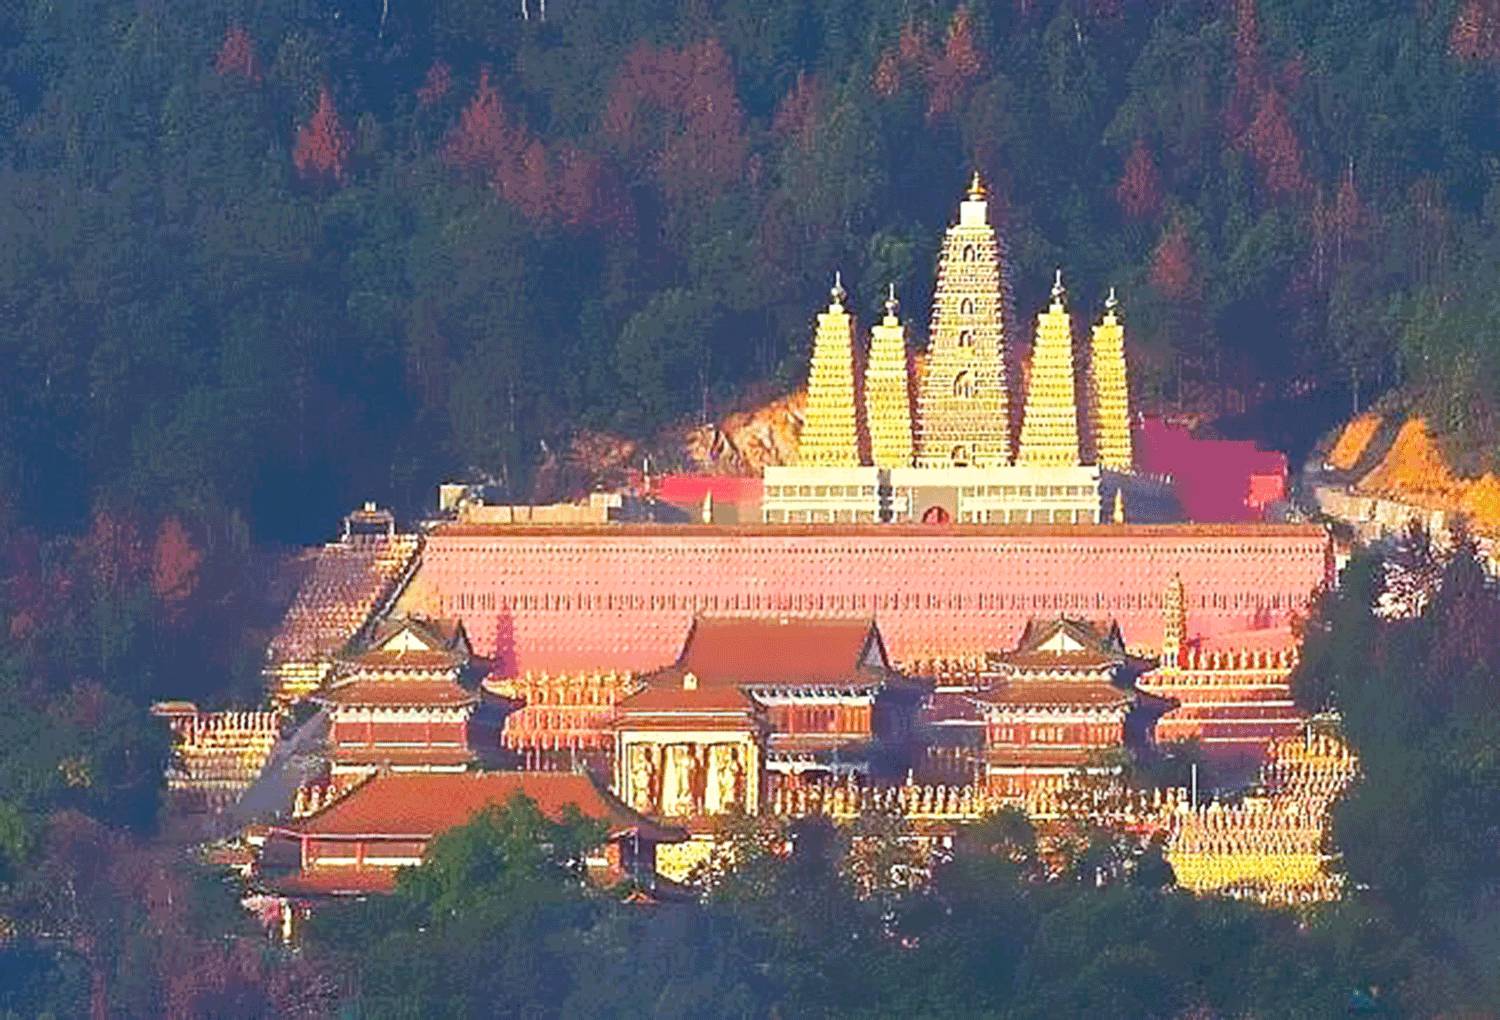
(1049, 431)
(963, 406)
(830, 432)
(888, 391)
(1109, 392)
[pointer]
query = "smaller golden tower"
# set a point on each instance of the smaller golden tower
(1049, 430)
(888, 391)
(1119, 514)
(1109, 392)
(830, 432)
(1174, 626)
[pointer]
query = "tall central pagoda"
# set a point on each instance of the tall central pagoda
(962, 403)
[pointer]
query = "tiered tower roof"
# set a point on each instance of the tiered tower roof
(1049, 431)
(1109, 396)
(830, 433)
(888, 391)
(963, 406)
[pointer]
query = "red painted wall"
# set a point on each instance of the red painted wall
(623, 597)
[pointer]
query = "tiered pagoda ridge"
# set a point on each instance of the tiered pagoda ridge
(963, 404)
(888, 391)
(830, 433)
(1109, 396)
(1049, 431)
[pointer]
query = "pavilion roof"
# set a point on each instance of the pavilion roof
(392, 693)
(782, 650)
(424, 804)
(1053, 693)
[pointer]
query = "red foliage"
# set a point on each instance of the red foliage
(112, 552)
(174, 564)
(1173, 271)
(484, 138)
(1139, 189)
(237, 56)
(1274, 147)
(677, 111)
(1475, 36)
(796, 115)
(887, 78)
(323, 146)
(437, 84)
(960, 64)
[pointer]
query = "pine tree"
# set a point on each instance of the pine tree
(237, 57)
(323, 146)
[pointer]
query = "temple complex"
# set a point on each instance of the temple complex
(1049, 429)
(953, 459)
(399, 703)
(1230, 692)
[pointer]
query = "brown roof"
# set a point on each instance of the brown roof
(1040, 757)
(782, 650)
(667, 696)
(1245, 530)
(1085, 659)
(435, 632)
(398, 692)
(1054, 692)
(414, 659)
(423, 804)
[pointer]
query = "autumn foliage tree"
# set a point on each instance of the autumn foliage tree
(1275, 149)
(323, 145)
(1475, 36)
(1139, 189)
(237, 57)
(960, 64)
(174, 564)
(1173, 272)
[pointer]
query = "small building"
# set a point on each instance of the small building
(1053, 705)
(354, 844)
(750, 698)
(399, 703)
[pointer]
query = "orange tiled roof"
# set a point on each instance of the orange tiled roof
(666, 696)
(413, 659)
(423, 804)
(784, 649)
(437, 693)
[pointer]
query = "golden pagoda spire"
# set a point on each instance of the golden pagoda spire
(830, 430)
(1174, 625)
(1049, 430)
(888, 390)
(1119, 514)
(1109, 392)
(963, 405)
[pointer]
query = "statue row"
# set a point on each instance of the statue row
(684, 780)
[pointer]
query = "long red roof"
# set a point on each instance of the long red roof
(425, 804)
(771, 650)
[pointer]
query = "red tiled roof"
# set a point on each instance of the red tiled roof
(426, 803)
(668, 696)
(1083, 659)
(1270, 639)
(415, 659)
(774, 650)
(436, 693)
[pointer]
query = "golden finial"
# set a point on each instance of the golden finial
(1057, 287)
(1111, 302)
(976, 189)
(891, 304)
(838, 293)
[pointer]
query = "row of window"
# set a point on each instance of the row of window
(699, 602)
(808, 491)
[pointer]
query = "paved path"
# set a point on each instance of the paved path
(296, 760)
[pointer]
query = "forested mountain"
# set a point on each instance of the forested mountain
(262, 259)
